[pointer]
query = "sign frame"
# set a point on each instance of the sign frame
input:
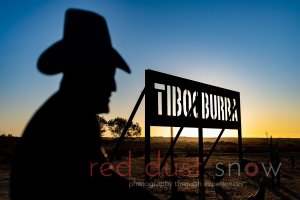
(153, 119)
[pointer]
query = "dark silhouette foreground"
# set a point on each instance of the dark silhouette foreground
(54, 154)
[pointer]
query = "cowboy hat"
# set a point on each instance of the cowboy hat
(85, 41)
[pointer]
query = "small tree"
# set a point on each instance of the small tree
(103, 124)
(117, 125)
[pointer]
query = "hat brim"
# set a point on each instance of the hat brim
(61, 55)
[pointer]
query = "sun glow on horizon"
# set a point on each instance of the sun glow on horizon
(190, 132)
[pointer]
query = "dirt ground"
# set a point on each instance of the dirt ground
(233, 186)
(4, 182)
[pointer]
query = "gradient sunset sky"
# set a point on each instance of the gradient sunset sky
(248, 46)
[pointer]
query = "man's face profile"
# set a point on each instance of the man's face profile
(103, 86)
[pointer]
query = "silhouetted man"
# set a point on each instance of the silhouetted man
(54, 154)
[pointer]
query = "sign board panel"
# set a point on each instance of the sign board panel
(169, 99)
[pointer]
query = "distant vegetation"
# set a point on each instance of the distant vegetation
(116, 126)
(6, 135)
(8, 144)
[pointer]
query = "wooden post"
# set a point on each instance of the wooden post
(137, 105)
(174, 188)
(277, 164)
(240, 141)
(147, 132)
(240, 146)
(272, 162)
(147, 151)
(201, 165)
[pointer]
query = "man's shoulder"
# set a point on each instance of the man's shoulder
(50, 112)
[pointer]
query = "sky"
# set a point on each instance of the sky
(249, 46)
